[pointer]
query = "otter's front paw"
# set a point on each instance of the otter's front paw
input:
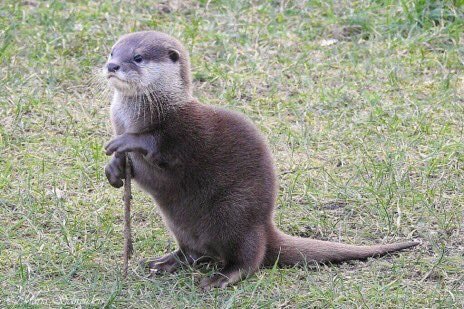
(127, 142)
(115, 170)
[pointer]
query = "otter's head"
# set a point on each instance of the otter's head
(149, 62)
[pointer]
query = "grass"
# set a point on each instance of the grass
(362, 103)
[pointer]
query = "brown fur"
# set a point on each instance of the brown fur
(211, 173)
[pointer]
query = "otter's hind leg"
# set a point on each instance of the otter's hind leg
(242, 258)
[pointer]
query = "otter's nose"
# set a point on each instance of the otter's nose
(112, 67)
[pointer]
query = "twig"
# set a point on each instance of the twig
(128, 248)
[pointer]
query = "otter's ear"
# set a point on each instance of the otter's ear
(173, 55)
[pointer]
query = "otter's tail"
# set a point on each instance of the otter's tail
(290, 250)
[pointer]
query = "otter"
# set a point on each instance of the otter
(209, 169)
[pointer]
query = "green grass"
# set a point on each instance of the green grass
(366, 129)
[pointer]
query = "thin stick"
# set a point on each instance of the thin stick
(128, 248)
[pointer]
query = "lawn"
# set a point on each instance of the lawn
(362, 103)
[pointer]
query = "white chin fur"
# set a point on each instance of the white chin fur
(120, 85)
(117, 83)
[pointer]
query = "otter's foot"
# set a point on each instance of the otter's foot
(228, 276)
(168, 263)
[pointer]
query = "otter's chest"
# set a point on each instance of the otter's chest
(129, 117)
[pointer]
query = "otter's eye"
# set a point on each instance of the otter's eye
(138, 58)
(173, 55)
(111, 54)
